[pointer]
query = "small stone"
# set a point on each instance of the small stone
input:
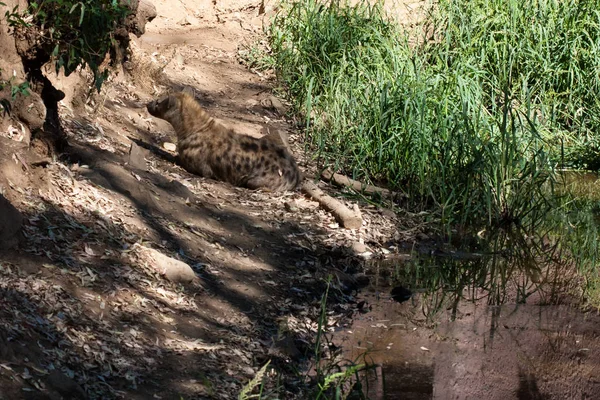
(359, 248)
(169, 146)
(386, 212)
(192, 20)
(188, 20)
(275, 104)
(401, 294)
(172, 269)
(291, 206)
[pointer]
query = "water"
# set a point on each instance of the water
(475, 327)
(500, 320)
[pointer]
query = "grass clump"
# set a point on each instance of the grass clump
(472, 112)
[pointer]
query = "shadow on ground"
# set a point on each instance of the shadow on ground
(83, 317)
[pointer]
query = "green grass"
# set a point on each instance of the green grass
(471, 113)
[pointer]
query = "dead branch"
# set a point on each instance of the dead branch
(342, 180)
(347, 218)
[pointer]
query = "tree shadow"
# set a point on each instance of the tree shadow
(78, 306)
(528, 387)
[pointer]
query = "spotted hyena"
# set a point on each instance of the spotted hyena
(209, 149)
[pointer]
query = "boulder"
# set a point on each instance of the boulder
(172, 269)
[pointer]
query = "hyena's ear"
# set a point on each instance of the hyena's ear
(188, 90)
(171, 101)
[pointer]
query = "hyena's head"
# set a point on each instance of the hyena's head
(164, 107)
(169, 107)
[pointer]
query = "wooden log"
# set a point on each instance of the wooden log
(347, 218)
(342, 180)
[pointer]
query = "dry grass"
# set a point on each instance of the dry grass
(147, 70)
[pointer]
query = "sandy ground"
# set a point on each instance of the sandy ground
(84, 315)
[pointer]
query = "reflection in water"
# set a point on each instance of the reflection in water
(478, 351)
(513, 267)
(400, 294)
(499, 320)
(404, 370)
(491, 324)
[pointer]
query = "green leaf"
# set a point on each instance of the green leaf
(81, 11)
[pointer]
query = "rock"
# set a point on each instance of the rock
(275, 104)
(276, 136)
(172, 269)
(291, 206)
(137, 157)
(188, 20)
(359, 248)
(31, 111)
(11, 222)
(400, 294)
(169, 146)
(386, 212)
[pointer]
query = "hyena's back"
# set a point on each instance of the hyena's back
(209, 149)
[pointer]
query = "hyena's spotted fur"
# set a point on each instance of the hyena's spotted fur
(209, 149)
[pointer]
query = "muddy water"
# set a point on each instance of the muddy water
(519, 348)
(499, 325)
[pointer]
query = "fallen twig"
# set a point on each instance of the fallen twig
(347, 218)
(342, 180)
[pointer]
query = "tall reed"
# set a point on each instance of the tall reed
(472, 112)
(472, 116)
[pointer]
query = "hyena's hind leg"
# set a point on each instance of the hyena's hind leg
(195, 166)
(260, 182)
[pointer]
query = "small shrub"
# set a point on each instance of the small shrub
(74, 33)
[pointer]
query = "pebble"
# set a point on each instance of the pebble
(358, 247)
(169, 146)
